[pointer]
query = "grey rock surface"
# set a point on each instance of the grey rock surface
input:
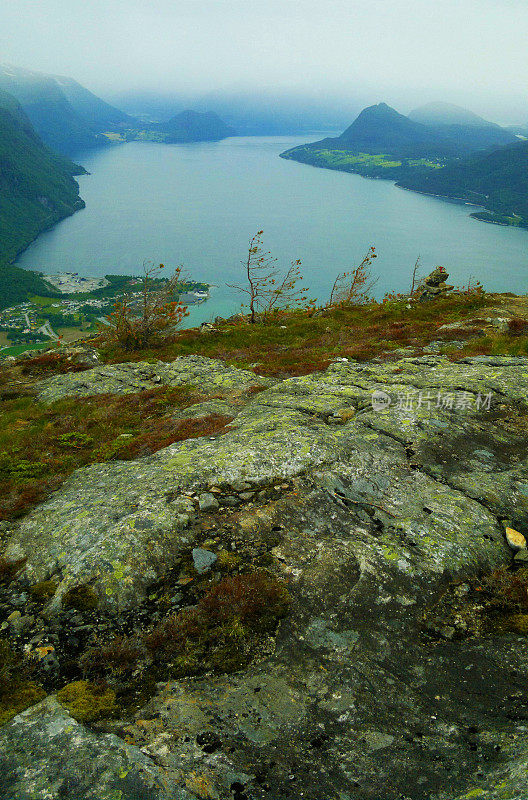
(118, 525)
(203, 559)
(47, 755)
(198, 371)
(379, 506)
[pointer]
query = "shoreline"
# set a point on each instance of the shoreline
(81, 205)
(446, 198)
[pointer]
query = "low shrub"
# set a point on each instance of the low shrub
(116, 658)
(518, 327)
(82, 598)
(41, 445)
(219, 632)
(51, 364)
(506, 590)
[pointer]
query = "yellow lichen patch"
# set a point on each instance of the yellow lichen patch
(87, 702)
(345, 414)
(200, 785)
(515, 539)
(43, 651)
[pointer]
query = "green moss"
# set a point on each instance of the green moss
(19, 469)
(43, 591)
(81, 598)
(74, 440)
(16, 692)
(18, 699)
(87, 702)
(227, 561)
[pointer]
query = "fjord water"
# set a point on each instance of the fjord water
(199, 204)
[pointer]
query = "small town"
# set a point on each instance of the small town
(80, 311)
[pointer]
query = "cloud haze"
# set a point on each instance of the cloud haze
(405, 51)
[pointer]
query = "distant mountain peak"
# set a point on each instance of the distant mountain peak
(195, 126)
(380, 109)
(441, 113)
(381, 126)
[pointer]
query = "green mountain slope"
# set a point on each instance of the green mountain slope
(67, 117)
(379, 143)
(497, 180)
(381, 128)
(36, 191)
(54, 118)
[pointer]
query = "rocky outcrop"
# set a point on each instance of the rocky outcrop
(377, 485)
(202, 373)
(47, 754)
(119, 525)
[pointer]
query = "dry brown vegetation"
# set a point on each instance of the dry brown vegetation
(300, 342)
(41, 445)
(52, 363)
(217, 634)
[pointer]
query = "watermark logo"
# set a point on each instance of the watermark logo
(380, 400)
(416, 399)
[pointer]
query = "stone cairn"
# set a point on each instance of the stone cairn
(435, 284)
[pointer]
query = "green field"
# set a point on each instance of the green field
(342, 158)
(370, 165)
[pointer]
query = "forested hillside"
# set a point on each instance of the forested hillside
(193, 126)
(497, 180)
(53, 117)
(37, 189)
(100, 116)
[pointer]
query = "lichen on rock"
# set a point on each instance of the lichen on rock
(370, 512)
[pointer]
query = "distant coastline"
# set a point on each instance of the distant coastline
(484, 215)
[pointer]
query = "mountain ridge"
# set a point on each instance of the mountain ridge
(465, 128)
(62, 122)
(37, 189)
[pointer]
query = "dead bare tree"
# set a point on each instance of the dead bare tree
(414, 285)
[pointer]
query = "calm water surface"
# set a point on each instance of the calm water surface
(199, 204)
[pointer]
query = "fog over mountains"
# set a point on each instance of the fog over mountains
(67, 116)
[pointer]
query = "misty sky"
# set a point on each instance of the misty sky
(406, 52)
